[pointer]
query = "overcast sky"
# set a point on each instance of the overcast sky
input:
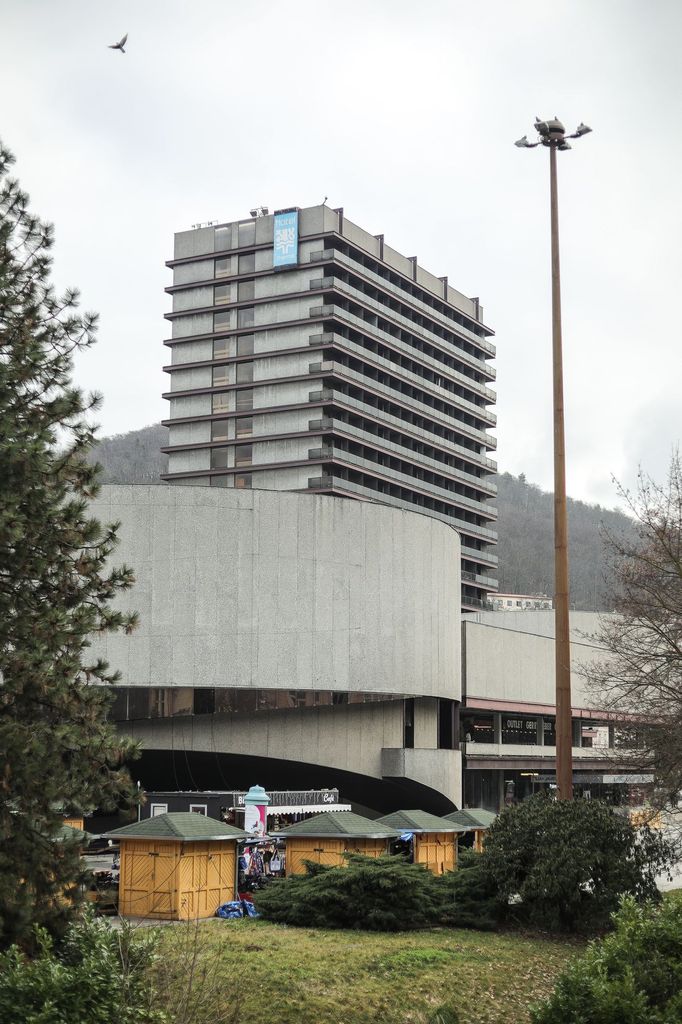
(405, 114)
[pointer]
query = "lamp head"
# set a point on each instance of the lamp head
(582, 129)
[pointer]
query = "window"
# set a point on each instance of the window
(446, 724)
(222, 238)
(243, 426)
(220, 481)
(247, 233)
(244, 399)
(247, 263)
(478, 729)
(242, 480)
(243, 455)
(219, 430)
(220, 402)
(222, 321)
(244, 373)
(157, 703)
(223, 267)
(244, 316)
(157, 809)
(519, 729)
(219, 458)
(408, 723)
(246, 290)
(222, 293)
(198, 809)
(221, 348)
(245, 345)
(220, 376)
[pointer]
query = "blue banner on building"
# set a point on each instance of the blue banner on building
(285, 253)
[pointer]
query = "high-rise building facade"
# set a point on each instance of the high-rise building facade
(307, 355)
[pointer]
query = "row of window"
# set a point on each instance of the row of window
(243, 400)
(244, 263)
(243, 375)
(224, 293)
(131, 702)
(243, 346)
(243, 426)
(223, 321)
(242, 481)
(243, 456)
(528, 730)
(246, 235)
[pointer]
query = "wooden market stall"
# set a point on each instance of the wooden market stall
(474, 820)
(434, 839)
(325, 838)
(179, 866)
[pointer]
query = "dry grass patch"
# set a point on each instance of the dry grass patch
(310, 976)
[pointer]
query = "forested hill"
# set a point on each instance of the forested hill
(525, 527)
(526, 543)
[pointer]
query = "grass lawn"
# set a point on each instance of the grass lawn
(309, 976)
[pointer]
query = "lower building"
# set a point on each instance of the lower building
(306, 641)
(508, 713)
(297, 640)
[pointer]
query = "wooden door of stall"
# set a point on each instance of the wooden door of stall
(148, 879)
(437, 850)
(206, 875)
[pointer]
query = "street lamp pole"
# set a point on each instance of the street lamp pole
(552, 135)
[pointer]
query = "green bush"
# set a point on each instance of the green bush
(97, 976)
(633, 976)
(569, 861)
(468, 898)
(378, 894)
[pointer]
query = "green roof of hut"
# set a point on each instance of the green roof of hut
(472, 818)
(420, 821)
(183, 826)
(339, 825)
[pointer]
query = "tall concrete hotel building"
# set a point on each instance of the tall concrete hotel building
(308, 355)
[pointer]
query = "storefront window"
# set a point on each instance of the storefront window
(478, 729)
(519, 729)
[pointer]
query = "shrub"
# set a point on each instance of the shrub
(569, 861)
(468, 898)
(97, 976)
(378, 894)
(633, 976)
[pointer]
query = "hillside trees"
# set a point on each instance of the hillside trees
(641, 681)
(56, 748)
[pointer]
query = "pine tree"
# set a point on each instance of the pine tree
(56, 748)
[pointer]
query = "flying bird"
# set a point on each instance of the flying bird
(120, 44)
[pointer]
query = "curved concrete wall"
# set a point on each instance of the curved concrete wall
(272, 589)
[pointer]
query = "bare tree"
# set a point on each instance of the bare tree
(641, 681)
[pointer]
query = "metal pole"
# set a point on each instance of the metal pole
(564, 752)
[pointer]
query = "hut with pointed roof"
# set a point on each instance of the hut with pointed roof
(433, 839)
(474, 820)
(325, 838)
(177, 867)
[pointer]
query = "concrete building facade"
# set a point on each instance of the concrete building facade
(349, 370)
(289, 638)
(508, 712)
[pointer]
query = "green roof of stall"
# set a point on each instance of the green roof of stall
(472, 818)
(183, 826)
(339, 824)
(420, 821)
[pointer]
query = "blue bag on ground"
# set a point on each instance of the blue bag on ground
(249, 909)
(230, 910)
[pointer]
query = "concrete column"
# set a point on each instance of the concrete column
(497, 726)
(541, 732)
